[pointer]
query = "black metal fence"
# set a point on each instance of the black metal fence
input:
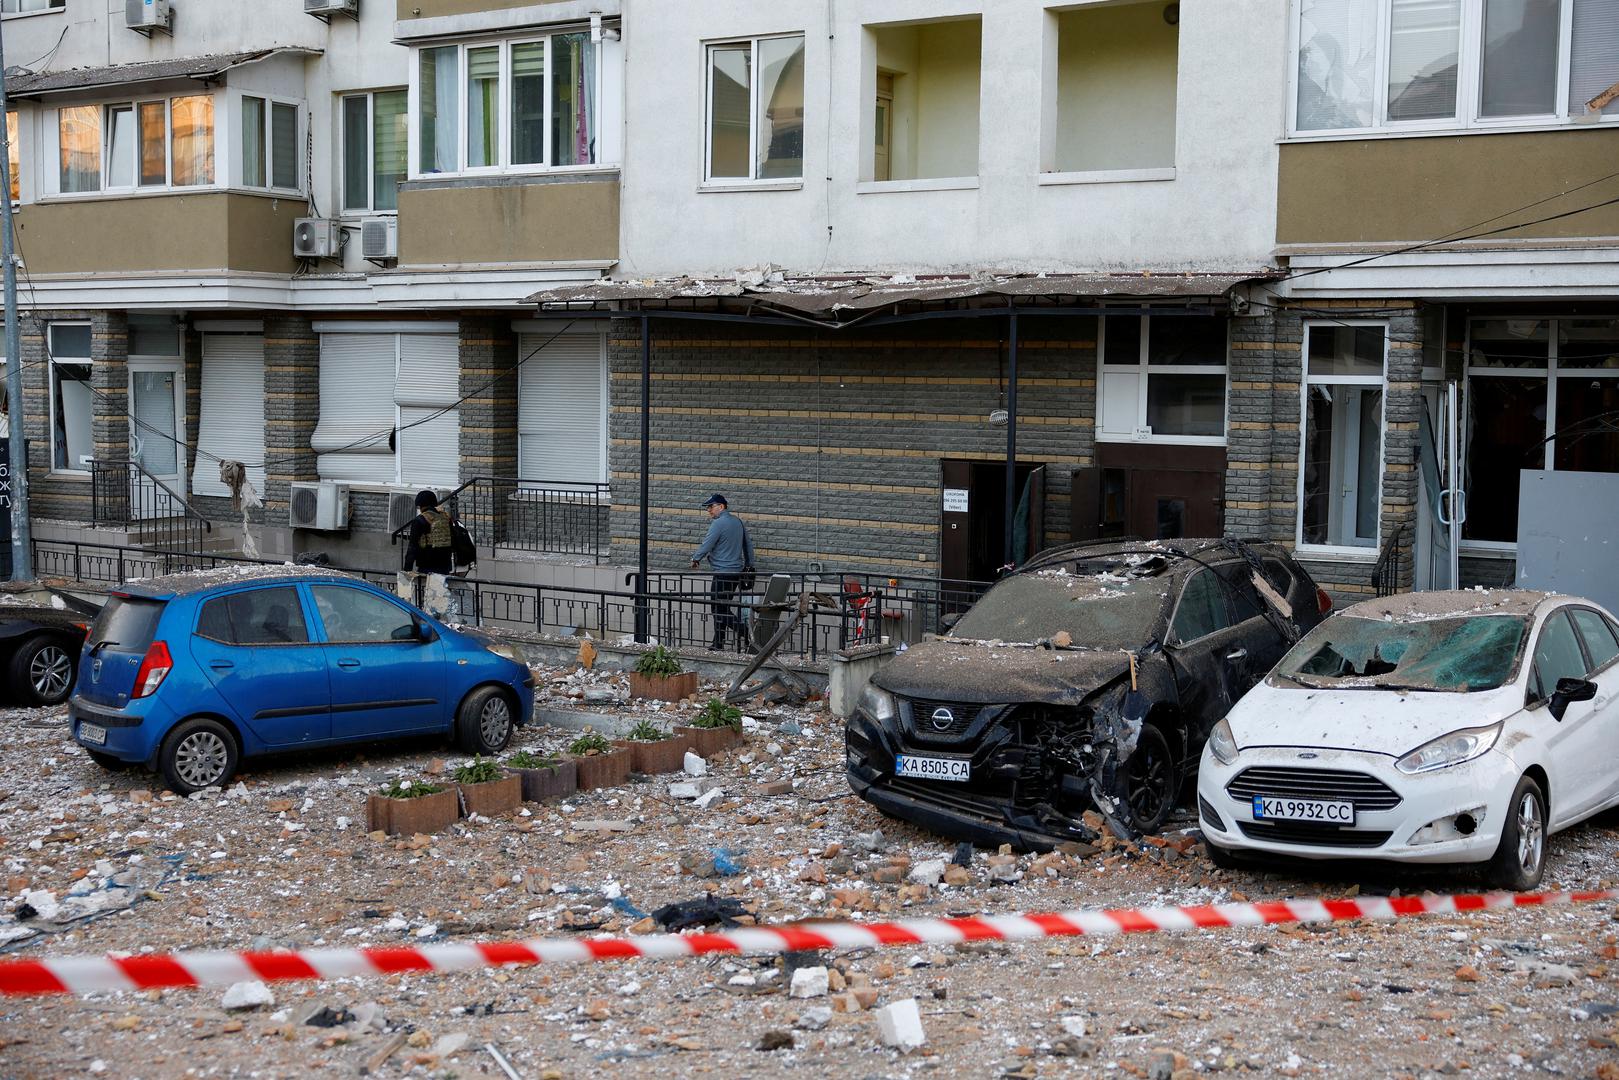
(124, 494)
(1386, 571)
(551, 516)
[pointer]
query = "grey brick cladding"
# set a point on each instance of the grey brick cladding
(291, 408)
(489, 415)
(828, 444)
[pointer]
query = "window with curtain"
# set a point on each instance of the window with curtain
(269, 144)
(756, 109)
(1365, 65)
(13, 158)
(79, 143)
(254, 152)
(529, 104)
(374, 150)
(152, 124)
(191, 141)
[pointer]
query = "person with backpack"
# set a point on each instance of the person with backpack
(435, 545)
(429, 546)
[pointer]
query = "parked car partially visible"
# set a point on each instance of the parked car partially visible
(1088, 679)
(190, 674)
(1442, 727)
(39, 652)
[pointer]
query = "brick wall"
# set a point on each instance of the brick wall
(828, 444)
(489, 415)
(291, 408)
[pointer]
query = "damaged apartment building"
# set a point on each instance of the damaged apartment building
(1284, 270)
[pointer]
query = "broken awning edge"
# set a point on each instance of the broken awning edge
(31, 84)
(826, 297)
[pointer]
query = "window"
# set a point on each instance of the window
(10, 6)
(1202, 609)
(1557, 656)
(518, 105)
(756, 109)
(1163, 377)
(145, 144)
(269, 162)
(928, 78)
(260, 617)
(231, 410)
(1114, 89)
(387, 402)
(375, 155)
(1369, 65)
(1341, 466)
(1540, 395)
(354, 616)
(13, 158)
(72, 401)
(561, 406)
(1600, 643)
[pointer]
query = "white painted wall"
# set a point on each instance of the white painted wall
(1218, 211)
(1116, 75)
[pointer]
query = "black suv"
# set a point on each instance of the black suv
(1090, 678)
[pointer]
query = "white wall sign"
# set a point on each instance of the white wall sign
(955, 500)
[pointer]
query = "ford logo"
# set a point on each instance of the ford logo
(942, 719)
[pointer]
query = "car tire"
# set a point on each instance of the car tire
(199, 753)
(1520, 859)
(107, 761)
(1149, 780)
(484, 722)
(1222, 858)
(43, 668)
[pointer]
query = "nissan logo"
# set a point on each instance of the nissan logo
(942, 719)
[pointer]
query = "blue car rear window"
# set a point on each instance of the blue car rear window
(127, 623)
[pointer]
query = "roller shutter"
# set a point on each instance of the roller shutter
(561, 415)
(231, 423)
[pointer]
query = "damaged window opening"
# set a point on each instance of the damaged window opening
(1456, 655)
(1027, 608)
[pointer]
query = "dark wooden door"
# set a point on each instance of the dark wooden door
(1167, 504)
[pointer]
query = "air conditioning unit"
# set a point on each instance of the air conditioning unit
(145, 16)
(323, 506)
(315, 238)
(379, 238)
(401, 508)
(325, 9)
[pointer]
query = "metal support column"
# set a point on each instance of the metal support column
(643, 610)
(16, 491)
(1011, 436)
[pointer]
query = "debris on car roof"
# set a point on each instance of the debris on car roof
(1417, 607)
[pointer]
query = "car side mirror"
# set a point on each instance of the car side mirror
(1568, 690)
(425, 633)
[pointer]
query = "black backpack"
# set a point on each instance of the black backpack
(462, 549)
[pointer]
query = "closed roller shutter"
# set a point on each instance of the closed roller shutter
(429, 382)
(231, 424)
(561, 421)
(356, 407)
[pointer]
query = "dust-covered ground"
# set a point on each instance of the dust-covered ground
(283, 860)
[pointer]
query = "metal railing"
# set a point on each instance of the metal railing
(552, 517)
(910, 607)
(1386, 571)
(124, 494)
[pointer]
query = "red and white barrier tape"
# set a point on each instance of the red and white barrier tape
(86, 974)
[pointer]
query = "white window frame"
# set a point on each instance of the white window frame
(752, 180)
(71, 469)
(223, 130)
(299, 136)
(1142, 370)
(9, 9)
(370, 97)
(1469, 85)
(504, 165)
(1551, 373)
(1306, 380)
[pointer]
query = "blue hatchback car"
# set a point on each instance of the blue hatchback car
(190, 674)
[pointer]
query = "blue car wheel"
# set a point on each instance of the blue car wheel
(483, 724)
(199, 753)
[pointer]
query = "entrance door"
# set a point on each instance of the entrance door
(972, 519)
(1440, 508)
(156, 408)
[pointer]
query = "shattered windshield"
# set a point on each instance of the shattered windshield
(1110, 610)
(1459, 654)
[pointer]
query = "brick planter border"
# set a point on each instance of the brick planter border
(541, 784)
(661, 756)
(407, 817)
(710, 741)
(492, 798)
(603, 770)
(663, 687)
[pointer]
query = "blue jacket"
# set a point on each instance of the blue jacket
(726, 547)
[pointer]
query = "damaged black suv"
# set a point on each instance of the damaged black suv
(1090, 678)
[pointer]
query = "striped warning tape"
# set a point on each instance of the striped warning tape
(86, 974)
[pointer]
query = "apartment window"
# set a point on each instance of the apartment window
(511, 105)
(128, 145)
(375, 155)
(1115, 89)
(756, 109)
(1163, 378)
(1369, 65)
(1541, 394)
(1341, 452)
(13, 157)
(72, 402)
(269, 144)
(9, 7)
(386, 404)
(927, 81)
(562, 406)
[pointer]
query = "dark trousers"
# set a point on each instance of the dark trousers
(726, 615)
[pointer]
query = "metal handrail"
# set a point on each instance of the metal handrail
(553, 516)
(126, 464)
(1386, 571)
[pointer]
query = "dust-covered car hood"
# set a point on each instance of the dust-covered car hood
(986, 673)
(1372, 721)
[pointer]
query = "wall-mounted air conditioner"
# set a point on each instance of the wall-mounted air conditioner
(325, 9)
(379, 238)
(145, 16)
(323, 506)
(401, 508)
(315, 238)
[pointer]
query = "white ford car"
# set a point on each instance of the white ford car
(1441, 727)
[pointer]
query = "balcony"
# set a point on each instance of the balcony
(513, 219)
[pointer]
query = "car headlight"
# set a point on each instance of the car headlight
(878, 703)
(1222, 744)
(500, 648)
(1448, 750)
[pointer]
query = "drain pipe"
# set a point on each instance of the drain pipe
(643, 610)
(1011, 437)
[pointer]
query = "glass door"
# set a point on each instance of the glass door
(156, 406)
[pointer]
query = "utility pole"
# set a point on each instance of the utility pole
(22, 552)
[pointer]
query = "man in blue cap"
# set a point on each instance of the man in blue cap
(730, 552)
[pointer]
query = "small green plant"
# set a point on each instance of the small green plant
(659, 663)
(646, 731)
(527, 759)
(410, 789)
(717, 714)
(591, 742)
(480, 771)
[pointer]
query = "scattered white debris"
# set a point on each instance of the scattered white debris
(900, 1025)
(809, 982)
(247, 995)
